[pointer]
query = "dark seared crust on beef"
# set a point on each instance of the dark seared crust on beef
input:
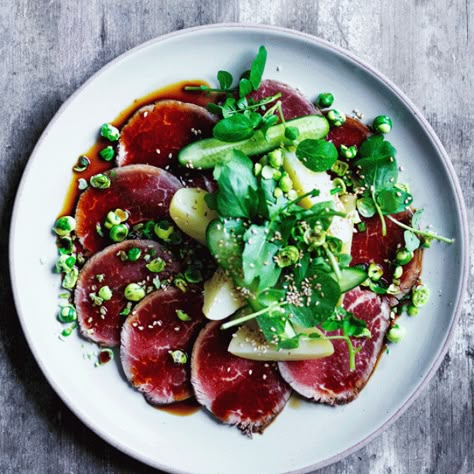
(144, 191)
(351, 132)
(329, 380)
(148, 336)
(245, 393)
(294, 104)
(101, 323)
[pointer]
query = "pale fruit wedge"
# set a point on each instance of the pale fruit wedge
(189, 211)
(221, 299)
(249, 343)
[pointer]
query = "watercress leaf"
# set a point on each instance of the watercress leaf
(316, 305)
(211, 201)
(302, 268)
(237, 195)
(290, 343)
(268, 122)
(257, 68)
(242, 103)
(344, 260)
(226, 244)
(393, 200)
(255, 119)
(214, 108)
(225, 79)
(260, 269)
(365, 206)
(317, 155)
(331, 325)
(376, 147)
(270, 296)
(272, 325)
(245, 87)
(234, 128)
(416, 218)
(352, 326)
(412, 242)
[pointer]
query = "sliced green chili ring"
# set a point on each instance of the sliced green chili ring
(382, 124)
(134, 254)
(67, 314)
(107, 153)
(64, 225)
(100, 181)
(134, 292)
(82, 164)
(70, 278)
(179, 357)
(193, 275)
(109, 132)
(157, 265)
(118, 233)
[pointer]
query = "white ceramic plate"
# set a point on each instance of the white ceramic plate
(302, 438)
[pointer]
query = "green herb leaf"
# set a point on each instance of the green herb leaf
(225, 79)
(416, 218)
(317, 155)
(260, 269)
(245, 87)
(237, 195)
(257, 68)
(235, 128)
(412, 242)
(393, 200)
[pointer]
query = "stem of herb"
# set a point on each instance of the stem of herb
(379, 212)
(430, 235)
(206, 89)
(248, 317)
(333, 261)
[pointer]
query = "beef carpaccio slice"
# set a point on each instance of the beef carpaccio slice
(150, 334)
(351, 132)
(370, 246)
(155, 133)
(101, 323)
(329, 380)
(293, 103)
(143, 191)
(241, 392)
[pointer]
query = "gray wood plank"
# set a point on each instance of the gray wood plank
(48, 49)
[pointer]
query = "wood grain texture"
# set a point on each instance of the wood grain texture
(49, 48)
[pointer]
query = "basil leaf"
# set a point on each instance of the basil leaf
(412, 242)
(237, 195)
(245, 87)
(235, 128)
(317, 155)
(393, 200)
(225, 79)
(257, 68)
(366, 206)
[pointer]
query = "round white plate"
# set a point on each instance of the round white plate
(301, 438)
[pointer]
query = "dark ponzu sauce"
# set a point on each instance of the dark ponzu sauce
(184, 408)
(98, 165)
(104, 357)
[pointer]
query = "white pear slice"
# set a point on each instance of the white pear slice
(249, 343)
(221, 299)
(189, 211)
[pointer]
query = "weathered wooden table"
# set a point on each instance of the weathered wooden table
(49, 48)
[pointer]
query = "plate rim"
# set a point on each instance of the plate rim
(419, 117)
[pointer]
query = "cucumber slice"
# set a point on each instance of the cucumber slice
(351, 277)
(207, 153)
